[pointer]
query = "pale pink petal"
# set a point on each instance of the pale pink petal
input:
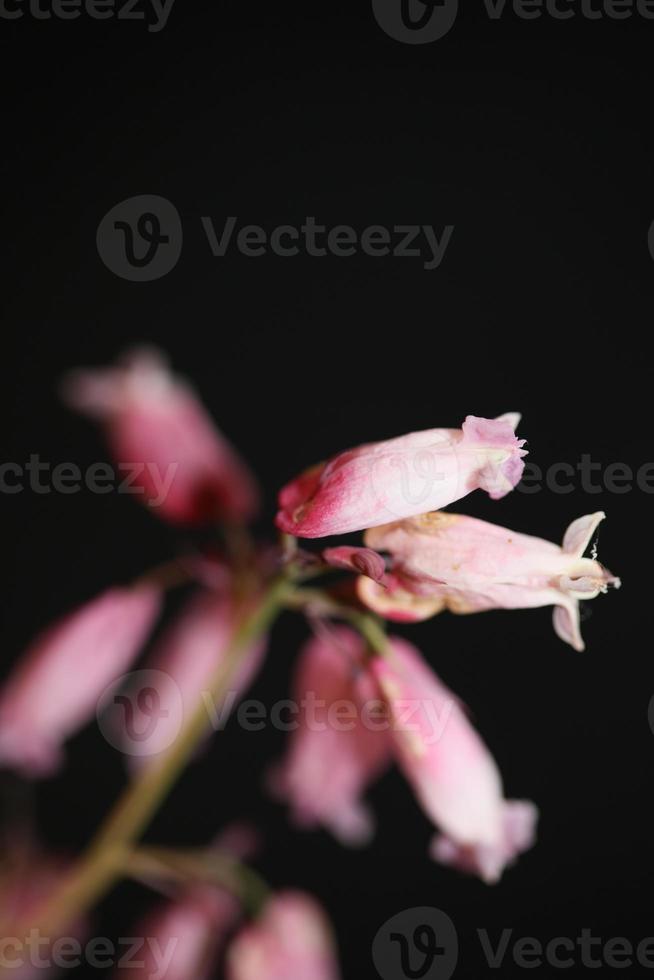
(500, 454)
(565, 619)
(450, 769)
(580, 533)
(488, 862)
(56, 685)
(183, 937)
(335, 752)
(292, 940)
(396, 604)
(512, 418)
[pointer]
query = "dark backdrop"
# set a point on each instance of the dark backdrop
(532, 138)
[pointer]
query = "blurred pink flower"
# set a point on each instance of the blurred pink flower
(409, 475)
(466, 565)
(55, 687)
(158, 430)
(185, 659)
(450, 769)
(291, 940)
(340, 746)
(183, 937)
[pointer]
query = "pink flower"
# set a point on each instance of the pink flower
(181, 668)
(55, 686)
(291, 940)
(466, 565)
(164, 442)
(340, 745)
(183, 937)
(412, 474)
(450, 769)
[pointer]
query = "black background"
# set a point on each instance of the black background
(534, 139)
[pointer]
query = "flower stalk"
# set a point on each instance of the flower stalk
(109, 853)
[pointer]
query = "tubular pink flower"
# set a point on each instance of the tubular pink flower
(450, 769)
(161, 437)
(188, 654)
(412, 474)
(339, 746)
(183, 937)
(449, 561)
(292, 940)
(55, 687)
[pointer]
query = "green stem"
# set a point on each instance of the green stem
(367, 624)
(102, 865)
(209, 866)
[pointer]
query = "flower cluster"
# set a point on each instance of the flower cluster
(415, 561)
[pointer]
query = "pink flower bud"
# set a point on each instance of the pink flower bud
(450, 769)
(412, 474)
(54, 689)
(340, 745)
(364, 561)
(292, 940)
(164, 442)
(466, 565)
